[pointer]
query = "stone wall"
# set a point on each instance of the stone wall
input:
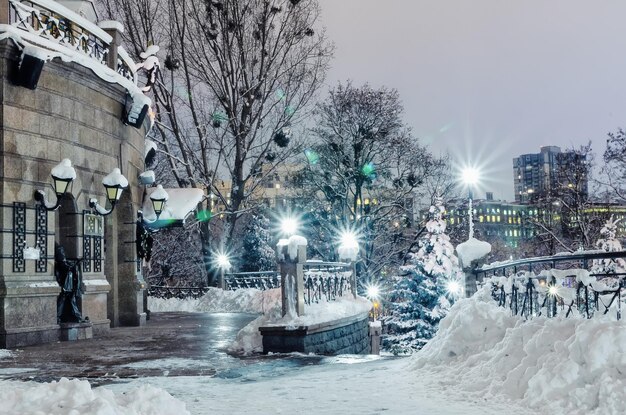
(345, 336)
(72, 114)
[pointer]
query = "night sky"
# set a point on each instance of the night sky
(487, 80)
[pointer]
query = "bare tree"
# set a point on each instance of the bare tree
(238, 79)
(365, 172)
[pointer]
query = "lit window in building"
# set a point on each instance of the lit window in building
(515, 232)
(481, 218)
(452, 221)
(488, 218)
(277, 185)
(510, 220)
(498, 218)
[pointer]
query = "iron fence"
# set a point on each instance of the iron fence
(261, 280)
(166, 292)
(541, 287)
(326, 281)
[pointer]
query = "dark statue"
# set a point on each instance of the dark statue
(69, 277)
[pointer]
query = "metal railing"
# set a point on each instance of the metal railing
(533, 296)
(55, 27)
(326, 281)
(261, 280)
(541, 287)
(163, 291)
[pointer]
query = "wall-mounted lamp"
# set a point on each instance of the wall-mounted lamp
(114, 183)
(31, 65)
(62, 175)
(135, 109)
(158, 199)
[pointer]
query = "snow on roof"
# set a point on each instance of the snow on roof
(179, 204)
(64, 170)
(471, 250)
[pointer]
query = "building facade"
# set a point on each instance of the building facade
(536, 175)
(74, 108)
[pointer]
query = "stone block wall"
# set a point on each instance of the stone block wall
(72, 114)
(345, 336)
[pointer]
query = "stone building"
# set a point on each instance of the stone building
(76, 108)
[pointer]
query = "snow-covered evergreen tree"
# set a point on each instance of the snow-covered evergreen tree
(418, 299)
(258, 254)
(609, 243)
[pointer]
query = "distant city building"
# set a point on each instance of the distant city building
(535, 175)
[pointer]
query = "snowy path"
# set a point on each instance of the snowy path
(339, 385)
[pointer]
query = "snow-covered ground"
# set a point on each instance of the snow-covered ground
(219, 301)
(482, 361)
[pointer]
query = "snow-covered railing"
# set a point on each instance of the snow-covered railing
(326, 281)
(163, 291)
(565, 260)
(560, 292)
(262, 280)
(48, 24)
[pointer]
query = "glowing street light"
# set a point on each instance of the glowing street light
(454, 288)
(373, 292)
(222, 262)
(471, 177)
(289, 226)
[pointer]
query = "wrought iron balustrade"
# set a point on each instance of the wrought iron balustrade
(261, 280)
(541, 287)
(54, 27)
(326, 281)
(166, 292)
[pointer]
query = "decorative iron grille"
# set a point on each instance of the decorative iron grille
(19, 236)
(41, 238)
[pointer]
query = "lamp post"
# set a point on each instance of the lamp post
(114, 184)
(349, 250)
(222, 261)
(62, 175)
(470, 177)
(289, 226)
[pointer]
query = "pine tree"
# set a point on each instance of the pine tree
(258, 254)
(609, 243)
(418, 299)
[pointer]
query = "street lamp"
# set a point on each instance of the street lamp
(222, 262)
(158, 199)
(289, 226)
(62, 175)
(470, 176)
(349, 250)
(114, 184)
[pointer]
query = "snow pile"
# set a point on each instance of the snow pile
(77, 397)
(249, 339)
(217, 300)
(552, 365)
(471, 250)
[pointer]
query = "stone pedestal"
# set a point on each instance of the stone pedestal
(76, 331)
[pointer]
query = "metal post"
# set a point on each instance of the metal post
(222, 281)
(375, 333)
